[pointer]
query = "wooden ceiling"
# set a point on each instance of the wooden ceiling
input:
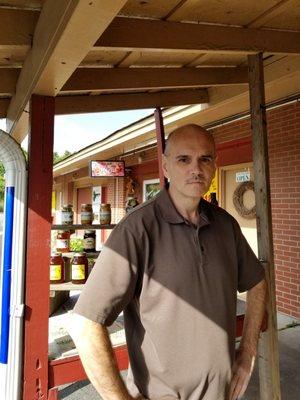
(100, 55)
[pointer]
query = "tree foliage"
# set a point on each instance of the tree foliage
(56, 159)
(60, 157)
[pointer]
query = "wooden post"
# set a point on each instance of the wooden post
(38, 248)
(268, 359)
(160, 136)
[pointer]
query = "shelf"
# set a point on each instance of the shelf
(89, 255)
(66, 286)
(81, 227)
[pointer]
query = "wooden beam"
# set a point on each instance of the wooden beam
(17, 27)
(128, 101)
(156, 35)
(161, 144)
(272, 12)
(65, 32)
(268, 358)
(3, 107)
(8, 80)
(112, 79)
(38, 248)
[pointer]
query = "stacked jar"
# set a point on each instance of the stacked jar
(79, 268)
(105, 214)
(63, 242)
(86, 214)
(57, 272)
(89, 241)
(67, 215)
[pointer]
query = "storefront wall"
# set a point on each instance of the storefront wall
(234, 147)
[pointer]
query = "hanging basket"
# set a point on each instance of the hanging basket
(238, 200)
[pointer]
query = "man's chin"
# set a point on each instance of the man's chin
(196, 191)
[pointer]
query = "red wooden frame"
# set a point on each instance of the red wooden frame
(40, 168)
(160, 137)
(41, 376)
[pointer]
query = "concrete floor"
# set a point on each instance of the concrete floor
(289, 349)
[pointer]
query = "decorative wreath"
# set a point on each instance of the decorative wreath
(238, 200)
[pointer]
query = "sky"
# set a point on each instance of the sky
(74, 132)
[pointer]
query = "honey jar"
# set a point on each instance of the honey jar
(79, 268)
(89, 241)
(105, 214)
(57, 272)
(67, 215)
(63, 242)
(86, 214)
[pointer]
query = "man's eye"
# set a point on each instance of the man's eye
(183, 160)
(206, 160)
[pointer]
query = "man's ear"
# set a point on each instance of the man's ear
(164, 166)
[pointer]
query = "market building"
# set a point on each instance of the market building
(235, 165)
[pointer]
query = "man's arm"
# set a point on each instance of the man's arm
(97, 356)
(245, 355)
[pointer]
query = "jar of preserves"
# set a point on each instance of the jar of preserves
(57, 271)
(86, 214)
(63, 242)
(67, 215)
(89, 241)
(79, 268)
(105, 214)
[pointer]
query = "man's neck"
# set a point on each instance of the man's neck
(186, 206)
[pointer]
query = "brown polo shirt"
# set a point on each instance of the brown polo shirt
(177, 286)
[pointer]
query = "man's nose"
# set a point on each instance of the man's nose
(197, 167)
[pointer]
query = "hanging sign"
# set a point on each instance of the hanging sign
(243, 176)
(100, 169)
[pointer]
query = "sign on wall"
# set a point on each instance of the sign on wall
(242, 176)
(101, 169)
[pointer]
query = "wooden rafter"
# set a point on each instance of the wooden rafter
(163, 35)
(128, 101)
(58, 49)
(113, 79)
(17, 27)
(3, 107)
(272, 12)
(8, 80)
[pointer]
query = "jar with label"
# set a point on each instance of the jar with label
(79, 268)
(63, 242)
(86, 214)
(105, 214)
(57, 273)
(89, 241)
(67, 215)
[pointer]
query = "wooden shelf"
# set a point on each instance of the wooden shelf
(89, 255)
(66, 286)
(81, 227)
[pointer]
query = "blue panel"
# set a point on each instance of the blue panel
(7, 257)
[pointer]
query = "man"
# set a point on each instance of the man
(174, 265)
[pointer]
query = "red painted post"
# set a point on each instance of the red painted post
(160, 137)
(35, 385)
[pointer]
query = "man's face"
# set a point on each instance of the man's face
(190, 163)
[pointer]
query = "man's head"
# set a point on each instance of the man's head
(189, 160)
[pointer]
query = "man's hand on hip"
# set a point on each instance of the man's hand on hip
(241, 374)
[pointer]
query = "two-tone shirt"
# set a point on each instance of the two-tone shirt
(177, 285)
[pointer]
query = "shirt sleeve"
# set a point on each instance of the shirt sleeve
(112, 282)
(250, 270)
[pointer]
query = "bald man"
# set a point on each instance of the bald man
(174, 265)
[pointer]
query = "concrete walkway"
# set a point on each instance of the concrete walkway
(289, 348)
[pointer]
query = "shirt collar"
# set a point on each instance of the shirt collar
(171, 215)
